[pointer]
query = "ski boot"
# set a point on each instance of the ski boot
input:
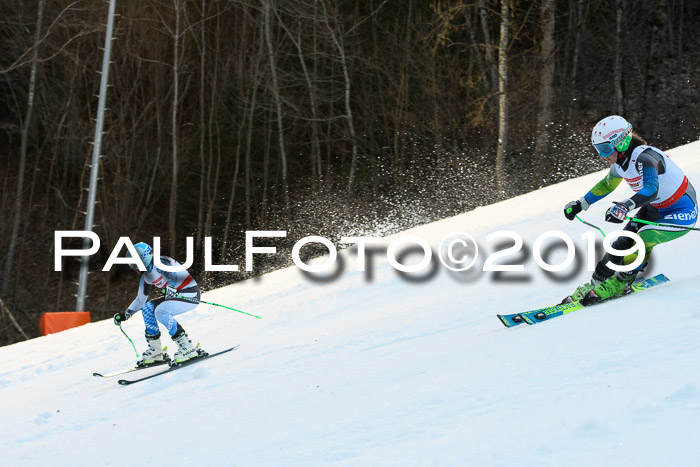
(154, 353)
(615, 286)
(185, 349)
(583, 290)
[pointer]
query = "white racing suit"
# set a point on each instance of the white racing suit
(163, 310)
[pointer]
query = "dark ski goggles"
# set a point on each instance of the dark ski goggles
(604, 149)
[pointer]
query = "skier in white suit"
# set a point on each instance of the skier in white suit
(182, 295)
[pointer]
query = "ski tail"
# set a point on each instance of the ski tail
(511, 320)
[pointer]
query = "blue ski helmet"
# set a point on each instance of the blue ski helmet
(145, 253)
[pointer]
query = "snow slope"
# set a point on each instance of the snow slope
(371, 368)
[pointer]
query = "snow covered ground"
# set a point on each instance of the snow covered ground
(373, 368)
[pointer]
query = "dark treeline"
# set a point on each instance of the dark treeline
(325, 117)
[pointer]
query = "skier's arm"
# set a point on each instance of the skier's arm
(603, 188)
(142, 296)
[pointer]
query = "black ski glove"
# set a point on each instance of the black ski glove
(574, 207)
(122, 316)
(170, 292)
(617, 213)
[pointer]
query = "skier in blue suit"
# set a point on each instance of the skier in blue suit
(182, 295)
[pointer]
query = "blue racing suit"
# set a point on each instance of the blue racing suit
(163, 310)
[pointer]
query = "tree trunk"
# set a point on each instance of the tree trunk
(249, 135)
(213, 128)
(31, 92)
(311, 88)
(232, 197)
(5, 310)
(680, 64)
(503, 98)
(488, 46)
(402, 98)
(544, 116)
(215, 189)
(267, 131)
(278, 102)
(574, 93)
(340, 47)
(651, 82)
(617, 66)
(202, 107)
(176, 97)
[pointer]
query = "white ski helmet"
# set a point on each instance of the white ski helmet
(611, 133)
(145, 253)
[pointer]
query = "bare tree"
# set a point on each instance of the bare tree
(278, 100)
(173, 127)
(491, 65)
(580, 22)
(544, 116)
(617, 66)
(337, 39)
(316, 168)
(651, 79)
(202, 111)
(503, 96)
(26, 124)
(252, 107)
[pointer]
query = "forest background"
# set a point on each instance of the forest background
(318, 117)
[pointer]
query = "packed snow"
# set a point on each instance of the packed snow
(376, 367)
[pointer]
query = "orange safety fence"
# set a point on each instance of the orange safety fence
(62, 320)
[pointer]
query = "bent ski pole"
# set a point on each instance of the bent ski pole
(132, 342)
(642, 221)
(173, 294)
(591, 225)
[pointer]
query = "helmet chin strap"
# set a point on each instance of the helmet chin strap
(622, 157)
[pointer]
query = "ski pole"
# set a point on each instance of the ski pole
(591, 225)
(642, 221)
(169, 294)
(132, 342)
(229, 308)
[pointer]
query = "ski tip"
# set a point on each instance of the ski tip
(124, 382)
(98, 375)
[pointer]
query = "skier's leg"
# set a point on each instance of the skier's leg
(149, 317)
(154, 352)
(603, 273)
(168, 309)
(683, 214)
(166, 313)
